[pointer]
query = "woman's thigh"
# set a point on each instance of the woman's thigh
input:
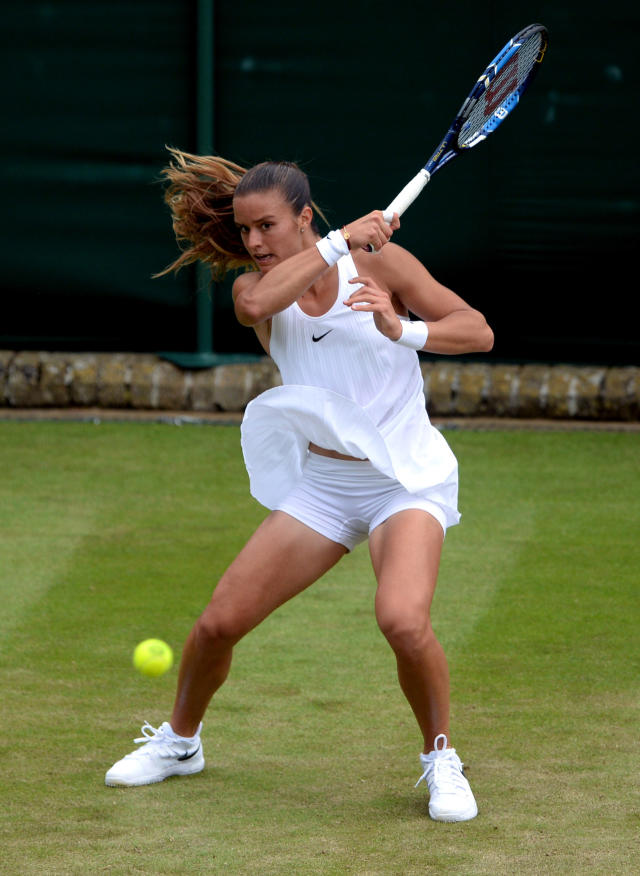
(405, 552)
(281, 559)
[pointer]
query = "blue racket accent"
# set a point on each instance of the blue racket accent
(494, 96)
(496, 93)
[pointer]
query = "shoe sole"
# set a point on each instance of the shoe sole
(190, 770)
(451, 817)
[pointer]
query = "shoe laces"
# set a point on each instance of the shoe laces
(443, 768)
(154, 737)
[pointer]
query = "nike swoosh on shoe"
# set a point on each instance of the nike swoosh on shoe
(189, 755)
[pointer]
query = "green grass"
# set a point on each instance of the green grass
(113, 533)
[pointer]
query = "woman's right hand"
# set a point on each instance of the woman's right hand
(371, 230)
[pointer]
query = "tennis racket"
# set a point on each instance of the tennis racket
(496, 93)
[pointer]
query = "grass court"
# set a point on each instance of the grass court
(113, 533)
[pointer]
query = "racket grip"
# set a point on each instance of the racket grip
(405, 198)
(409, 193)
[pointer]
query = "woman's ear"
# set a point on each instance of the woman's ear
(305, 218)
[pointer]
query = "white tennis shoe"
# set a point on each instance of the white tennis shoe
(450, 796)
(162, 754)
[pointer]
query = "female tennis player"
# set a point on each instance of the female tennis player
(342, 452)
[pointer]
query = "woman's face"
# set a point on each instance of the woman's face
(270, 230)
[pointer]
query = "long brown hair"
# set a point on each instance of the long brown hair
(200, 196)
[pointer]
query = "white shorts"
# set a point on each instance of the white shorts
(345, 500)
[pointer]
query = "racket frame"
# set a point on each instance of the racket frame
(449, 147)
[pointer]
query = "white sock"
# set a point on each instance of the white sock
(186, 738)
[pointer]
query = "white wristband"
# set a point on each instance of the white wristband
(414, 334)
(332, 247)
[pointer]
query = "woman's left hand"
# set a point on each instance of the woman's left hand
(377, 301)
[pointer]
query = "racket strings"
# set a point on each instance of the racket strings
(503, 86)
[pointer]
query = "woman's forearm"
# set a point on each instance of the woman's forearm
(462, 331)
(280, 287)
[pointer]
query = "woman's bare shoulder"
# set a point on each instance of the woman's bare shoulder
(393, 267)
(390, 258)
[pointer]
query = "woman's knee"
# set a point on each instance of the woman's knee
(222, 625)
(407, 632)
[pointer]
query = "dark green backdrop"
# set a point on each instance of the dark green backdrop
(536, 227)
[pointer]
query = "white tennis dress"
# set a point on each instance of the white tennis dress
(350, 389)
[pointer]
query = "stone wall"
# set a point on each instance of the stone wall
(453, 388)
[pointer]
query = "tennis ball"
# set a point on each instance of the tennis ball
(153, 657)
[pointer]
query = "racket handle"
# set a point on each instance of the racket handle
(409, 193)
(404, 199)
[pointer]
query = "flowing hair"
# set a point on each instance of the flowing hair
(200, 196)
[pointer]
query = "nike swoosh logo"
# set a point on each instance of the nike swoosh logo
(320, 337)
(188, 755)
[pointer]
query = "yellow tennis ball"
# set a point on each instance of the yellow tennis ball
(153, 657)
